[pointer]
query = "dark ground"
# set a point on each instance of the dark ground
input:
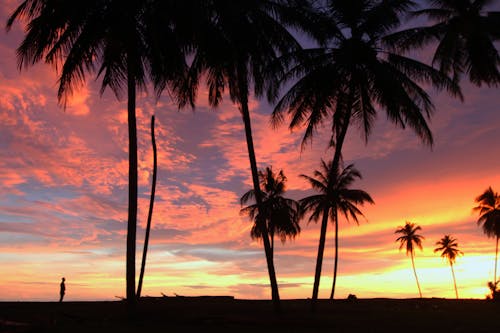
(178, 314)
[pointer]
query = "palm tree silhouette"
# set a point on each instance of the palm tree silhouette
(466, 36)
(280, 214)
(448, 247)
(125, 43)
(352, 77)
(235, 45)
(410, 239)
(334, 198)
(489, 218)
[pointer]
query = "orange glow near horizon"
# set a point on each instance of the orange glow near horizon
(63, 206)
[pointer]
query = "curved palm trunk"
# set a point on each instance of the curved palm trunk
(454, 279)
(496, 261)
(324, 220)
(150, 213)
(319, 259)
(245, 112)
(415, 273)
(132, 187)
(335, 264)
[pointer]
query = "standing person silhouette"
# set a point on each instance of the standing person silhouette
(62, 290)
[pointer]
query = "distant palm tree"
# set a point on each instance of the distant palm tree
(410, 239)
(466, 34)
(489, 218)
(335, 195)
(448, 247)
(281, 214)
(150, 212)
(125, 42)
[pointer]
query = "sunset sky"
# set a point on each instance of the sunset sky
(63, 198)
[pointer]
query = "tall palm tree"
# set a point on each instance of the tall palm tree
(466, 35)
(448, 247)
(150, 212)
(125, 43)
(489, 218)
(353, 77)
(409, 239)
(334, 198)
(280, 214)
(236, 44)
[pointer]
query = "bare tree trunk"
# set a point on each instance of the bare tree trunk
(132, 187)
(454, 279)
(150, 213)
(415, 273)
(335, 265)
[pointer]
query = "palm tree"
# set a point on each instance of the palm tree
(466, 35)
(280, 214)
(333, 198)
(410, 239)
(150, 212)
(125, 43)
(353, 77)
(448, 247)
(489, 218)
(235, 45)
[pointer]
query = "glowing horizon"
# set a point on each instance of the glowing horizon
(63, 206)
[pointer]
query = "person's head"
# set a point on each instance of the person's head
(63, 279)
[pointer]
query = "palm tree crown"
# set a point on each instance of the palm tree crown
(409, 237)
(466, 35)
(489, 212)
(281, 214)
(489, 218)
(448, 247)
(335, 195)
(355, 75)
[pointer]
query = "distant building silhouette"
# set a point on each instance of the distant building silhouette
(62, 290)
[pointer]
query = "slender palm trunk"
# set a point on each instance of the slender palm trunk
(245, 112)
(335, 264)
(415, 273)
(324, 220)
(319, 259)
(454, 279)
(132, 186)
(272, 244)
(150, 213)
(496, 261)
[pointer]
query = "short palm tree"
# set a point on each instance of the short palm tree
(125, 43)
(448, 247)
(489, 218)
(280, 214)
(333, 198)
(466, 35)
(409, 239)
